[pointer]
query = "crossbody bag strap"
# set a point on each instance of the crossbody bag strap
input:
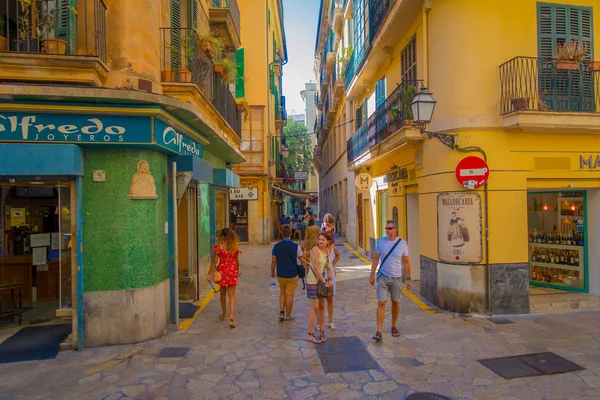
(387, 255)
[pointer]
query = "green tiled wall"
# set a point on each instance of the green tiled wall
(204, 221)
(124, 241)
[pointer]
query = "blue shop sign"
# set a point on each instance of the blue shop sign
(171, 139)
(74, 128)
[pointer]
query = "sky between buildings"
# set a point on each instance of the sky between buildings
(300, 19)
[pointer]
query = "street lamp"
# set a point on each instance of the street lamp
(285, 152)
(422, 109)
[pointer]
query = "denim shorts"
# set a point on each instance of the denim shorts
(389, 287)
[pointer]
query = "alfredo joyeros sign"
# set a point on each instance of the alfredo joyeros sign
(171, 139)
(73, 128)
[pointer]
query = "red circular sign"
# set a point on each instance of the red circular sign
(472, 172)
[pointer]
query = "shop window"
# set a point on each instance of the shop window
(557, 240)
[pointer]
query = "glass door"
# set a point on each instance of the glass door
(64, 244)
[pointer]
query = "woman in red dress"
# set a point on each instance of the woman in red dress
(227, 255)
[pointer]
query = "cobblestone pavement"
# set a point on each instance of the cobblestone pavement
(265, 359)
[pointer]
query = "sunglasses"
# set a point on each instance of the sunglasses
(387, 228)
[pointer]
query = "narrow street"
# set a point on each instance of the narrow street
(437, 352)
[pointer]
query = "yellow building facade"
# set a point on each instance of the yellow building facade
(501, 98)
(265, 54)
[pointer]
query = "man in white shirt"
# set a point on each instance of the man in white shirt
(394, 264)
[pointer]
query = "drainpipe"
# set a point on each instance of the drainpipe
(426, 9)
(488, 288)
(268, 179)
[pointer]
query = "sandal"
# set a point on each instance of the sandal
(222, 317)
(332, 327)
(378, 337)
(395, 332)
(232, 324)
(322, 338)
(313, 339)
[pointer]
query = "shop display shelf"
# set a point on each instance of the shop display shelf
(556, 246)
(555, 266)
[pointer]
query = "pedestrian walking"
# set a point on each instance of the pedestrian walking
(320, 272)
(312, 236)
(334, 256)
(285, 257)
(328, 224)
(227, 257)
(393, 266)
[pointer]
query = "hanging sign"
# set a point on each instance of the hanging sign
(459, 227)
(363, 181)
(472, 172)
(243, 194)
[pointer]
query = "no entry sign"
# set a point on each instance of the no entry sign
(472, 172)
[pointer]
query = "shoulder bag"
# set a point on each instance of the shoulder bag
(299, 267)
(386, 257)
(324, 291)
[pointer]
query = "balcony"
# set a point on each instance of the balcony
(338, 16)
(537, 96)
(224, 16)
(280, 114)
(388, 119)
(338, 80)
(185, 72)
(330, 111)
(53, 43)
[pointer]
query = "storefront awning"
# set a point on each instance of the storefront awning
(21, 159)
(292, 192)
(226, 177)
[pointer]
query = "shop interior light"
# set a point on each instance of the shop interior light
(545, 207)
(573, 208)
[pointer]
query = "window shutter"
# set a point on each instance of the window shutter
(380, 92)
(65, 22)
(365, 109)
(408, 62)
(240, 84)
(358, 117)
(193, 14)
(175, 34)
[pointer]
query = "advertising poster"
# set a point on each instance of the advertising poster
(459, 227)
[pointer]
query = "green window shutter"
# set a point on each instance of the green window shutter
(358, 117)
(365, 109)
(175, 34)
(273, 87)
(380, 92)
(269, 17)
(193, 14)
(65, 23)
(240, 84)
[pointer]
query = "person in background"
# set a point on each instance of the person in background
(319, 269)
(312, 236)
(393, 266)
(282, 219)
(227, 256)
(328, 224)
(302, 226)
(285, 257)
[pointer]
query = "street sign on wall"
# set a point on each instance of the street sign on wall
(301, 176)
(472, 172)
(243, 194)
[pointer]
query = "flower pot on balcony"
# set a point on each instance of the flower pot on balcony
(567, 65)
(218, 69)
(520, 103)
(207, 48)
(184, 75)
(168, 76)
(54, 46)
(3, 43)
(240, 107)
(592, 65)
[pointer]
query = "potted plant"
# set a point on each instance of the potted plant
(189, 55)
(25, 39)
(568, 56)
(211, 45)
(2, 37)
(229, 71)
(242, 105)
(409, 95)
(46, 25)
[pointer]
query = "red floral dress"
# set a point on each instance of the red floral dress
(227, 266)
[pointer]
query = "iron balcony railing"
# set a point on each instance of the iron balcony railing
(182, 62)
(535, 84)
(54, 27)
(283, 111)
(233, 8)
(387, 119)
(349, 71)
(378, 10)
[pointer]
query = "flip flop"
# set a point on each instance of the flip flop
(395, 332)
(378, 337)
(332, 327)
(232, 324)
(314, 339)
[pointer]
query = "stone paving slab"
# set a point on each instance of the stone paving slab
(265, 359)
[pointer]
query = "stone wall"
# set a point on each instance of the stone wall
(429, 280)
(510, 288)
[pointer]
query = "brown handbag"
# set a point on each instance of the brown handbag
(217, 277)
(324, 291)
